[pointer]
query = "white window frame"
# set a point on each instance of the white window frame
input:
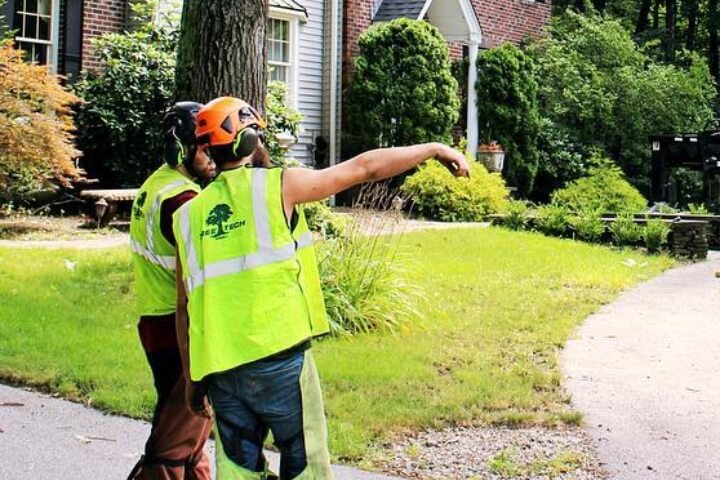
(293, 18)
(52, 44)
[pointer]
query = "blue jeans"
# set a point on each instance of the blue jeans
(253, 399)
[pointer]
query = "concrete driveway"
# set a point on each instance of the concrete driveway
(645, 371)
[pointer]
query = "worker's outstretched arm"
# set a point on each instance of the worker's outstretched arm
(194, 393)
(302, 185)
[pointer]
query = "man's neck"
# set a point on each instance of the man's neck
(184, 171)
(237, 163)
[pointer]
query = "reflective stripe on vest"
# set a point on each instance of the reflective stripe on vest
(153, 255)
(266, 254)
(167, 262)
(153, 213)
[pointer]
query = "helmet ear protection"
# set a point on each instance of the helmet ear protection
(173, 152)
(246, 141)
(179, 132)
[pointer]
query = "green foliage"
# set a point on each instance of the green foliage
(281, 119)
(551, 220)
(36, 128)
(402, 90)
(655, 234)
(625, 231)
(700, 209)
(438, 195)
(365, 284)
(516, 215)
(587, 225)
(321, 219)
(603, 190)
(507, 107)
(561, 160)
(605, 92)
(119, 124)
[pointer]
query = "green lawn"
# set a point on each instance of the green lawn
(498, 306)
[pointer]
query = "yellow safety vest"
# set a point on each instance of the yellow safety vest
(153, 256)
(252, 285)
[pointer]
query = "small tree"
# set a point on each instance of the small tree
(508, 112)
(36, 149)
(402, 91)
(281, 119)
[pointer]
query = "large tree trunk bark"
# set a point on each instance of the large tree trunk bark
(691, 7)
(642, 22)
(223, 51)
(713, 33)
(670, 20)
(656, 15)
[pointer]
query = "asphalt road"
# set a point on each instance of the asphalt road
(45, 438)
(645, 371)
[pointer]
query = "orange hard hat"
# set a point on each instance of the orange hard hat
(221, 120)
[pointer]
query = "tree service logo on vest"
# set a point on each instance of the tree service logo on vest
(219, 216)
(137, 209)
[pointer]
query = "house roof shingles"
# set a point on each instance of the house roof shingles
(288, 5)
(392, 9)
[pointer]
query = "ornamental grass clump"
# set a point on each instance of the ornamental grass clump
(365, 282)
(587, 225)
(437, 195)
(516, 215)
(625, 231)
(551, 220)
(655, 234)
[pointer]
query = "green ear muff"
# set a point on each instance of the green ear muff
(174, 151)
(245, 142)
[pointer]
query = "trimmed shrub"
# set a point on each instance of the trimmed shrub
(655, 234)
(508, 111)
(551, 220)
(604, 190)
(437, 195)
(588, 225)
(402, 90)
(36, 149)
(516, 215)
(625, 231)
(119, 124)
(321, 219)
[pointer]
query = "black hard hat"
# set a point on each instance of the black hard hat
(179, 131)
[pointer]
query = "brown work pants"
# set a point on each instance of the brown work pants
(174, 450)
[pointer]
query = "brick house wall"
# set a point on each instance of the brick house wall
(511, 20)
(500, 21)
(357, 17)
(99, 17)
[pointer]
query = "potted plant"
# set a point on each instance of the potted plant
(492, 156)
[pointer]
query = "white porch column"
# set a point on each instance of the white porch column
(472, 111)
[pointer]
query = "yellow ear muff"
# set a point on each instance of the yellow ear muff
(245, 142)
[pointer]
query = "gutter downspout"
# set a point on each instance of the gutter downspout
(334, 87)
(472, 110)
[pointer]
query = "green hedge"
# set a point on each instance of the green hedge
(438, 195)
(603, 190)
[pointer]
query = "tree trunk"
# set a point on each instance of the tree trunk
(691, 13)
(642, 21)
(223, 51)
(713, 33)
(656, 15)
(670, 19)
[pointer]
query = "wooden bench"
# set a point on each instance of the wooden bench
(106, 202)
